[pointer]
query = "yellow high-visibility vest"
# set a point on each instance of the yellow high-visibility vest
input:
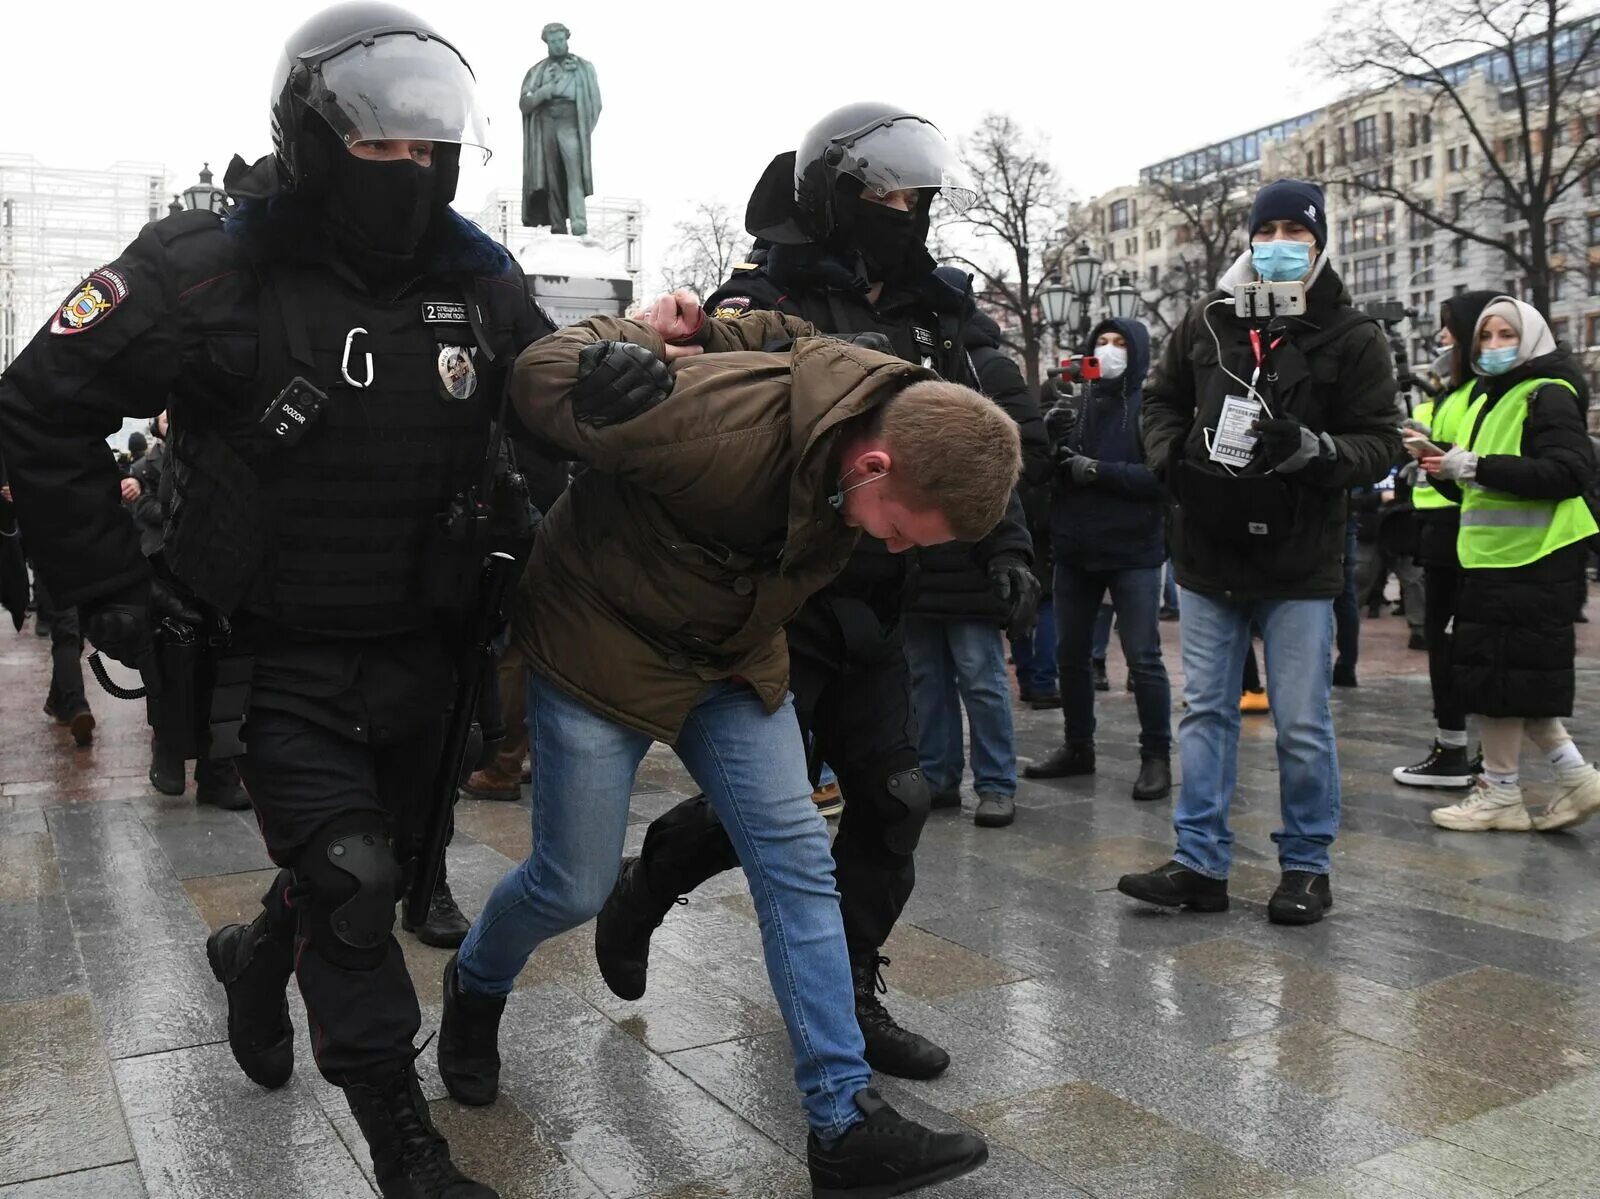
(1443, 418)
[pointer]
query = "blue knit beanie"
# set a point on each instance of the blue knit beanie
(1291, 200)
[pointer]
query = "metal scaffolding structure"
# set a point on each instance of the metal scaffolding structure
(56, 226)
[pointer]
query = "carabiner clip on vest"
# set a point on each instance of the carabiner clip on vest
(344, 367)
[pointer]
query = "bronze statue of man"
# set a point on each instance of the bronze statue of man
(560, 105)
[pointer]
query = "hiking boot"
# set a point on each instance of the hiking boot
(1176, 886)
(994, 811)
(891, 1049)
(81, 723)
(469, 1042)
(1253, 702)
(410, 1158)
(1301, 898)
(1577, 798)
(1489, 806)
(1101, 681)
(166, 771)
(886, 1154)
(253, 964)
(632, 912)
(446, 927)
(829, 799)
(1071, 757)
(1445, 766)
(1155, 777)
(489, 783)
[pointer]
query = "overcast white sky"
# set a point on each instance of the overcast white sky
(697, 97)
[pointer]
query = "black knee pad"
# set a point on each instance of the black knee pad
(906, 809)
(348, 881)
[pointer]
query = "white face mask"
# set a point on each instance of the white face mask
(1113, 360)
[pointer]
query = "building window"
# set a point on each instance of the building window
(1458, 204)
(1130, 247)
(1460, 289)
(1339, 151)
(1594, 229)
(1561, 327)
(1458, 253)
(1420, 227)
(1594, 278)
(1555, 237)
(1411, 129)
(1121, 217)
(1558, 286)
(1421, 168)
(1366, 137)
(1311, 164)
(1322, 158)
(1368, 275)
(1155, 276)
(1427, 129)
(1591, 329)
(1152, 240)
(1372, 231)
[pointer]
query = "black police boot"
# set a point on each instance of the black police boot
(410, 1159)
(1071, 757)
(1301, 898)
(890, 1048)
(469, 1042)
(632, 912)
(216, 784)
(253, 964)
(1155, 777)
(166, 771)
(1101, 681)
(445, 927)
(886, 1154)
(1176, 886)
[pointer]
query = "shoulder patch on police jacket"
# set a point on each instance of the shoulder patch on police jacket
(91, 302)
(730, 307)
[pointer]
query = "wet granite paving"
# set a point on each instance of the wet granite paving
(1437, 1038)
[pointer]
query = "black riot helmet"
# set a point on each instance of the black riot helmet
(372, 72)
(866, 144)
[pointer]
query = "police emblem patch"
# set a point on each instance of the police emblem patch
(457, 371)
(730, 307)
(92, 301)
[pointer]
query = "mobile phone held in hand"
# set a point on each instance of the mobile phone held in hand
(1419, 446)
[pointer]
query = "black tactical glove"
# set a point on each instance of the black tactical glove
(871, 341)
(1289, 446)
(1060, 421)
(1074, 468)
(617, 381)
(119, 627)
(1014, 584)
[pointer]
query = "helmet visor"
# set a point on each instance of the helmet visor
(399, 87)
(897, 153)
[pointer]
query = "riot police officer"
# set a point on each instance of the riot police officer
(334, 353)
(841, 226)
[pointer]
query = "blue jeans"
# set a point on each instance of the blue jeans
(1102, 632)
(1035, 654)
(1297, 636)
(752, 768)
(956, 663)
(1169, 588)
(1137, 596)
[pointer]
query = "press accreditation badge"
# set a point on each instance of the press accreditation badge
(1235, 440)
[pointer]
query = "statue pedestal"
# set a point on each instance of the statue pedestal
(572, 277)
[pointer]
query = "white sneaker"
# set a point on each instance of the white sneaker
(1577, 799)
(1489, 806)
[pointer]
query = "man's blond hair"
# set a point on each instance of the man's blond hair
(954, 450)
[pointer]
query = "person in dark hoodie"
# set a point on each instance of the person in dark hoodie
(1259, 425)
(1108, 536)
(334, 357)
(1438, 522)
(1520, 469)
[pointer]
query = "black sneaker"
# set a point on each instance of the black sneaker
(1176, 886)
(469, 1042)
(253, 964)
(1301, 898)
(1344, 675)
(886, 1154)
(410, 1158)
(632, 913)
(1445, 766)
(891, 1049)
(1155, 777)
(446, 927)
(1101, 682)
(1071, 757)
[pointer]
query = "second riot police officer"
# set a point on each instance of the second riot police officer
(334, 356)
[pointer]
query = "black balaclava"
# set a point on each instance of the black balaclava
(384, 208)
(887, 239)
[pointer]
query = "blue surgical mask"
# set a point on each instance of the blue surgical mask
(1281, 261)
(1498, 360)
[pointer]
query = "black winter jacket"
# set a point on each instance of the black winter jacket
(150, 509)
(1513, 649)
(1264, 534)
(1116, 522)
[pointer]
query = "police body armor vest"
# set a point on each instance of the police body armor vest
(340, 532)
(1500, 530)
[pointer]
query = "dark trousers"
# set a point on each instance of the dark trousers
(301, 776)
(1136, 596)
(1440, 588)
(66, 654)
(1347, 607)
(861, 722)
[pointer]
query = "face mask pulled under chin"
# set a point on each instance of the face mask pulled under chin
(1113, 361)
(383, 206)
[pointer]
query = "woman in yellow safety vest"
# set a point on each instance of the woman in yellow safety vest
(1437, 520)
(1520, 467)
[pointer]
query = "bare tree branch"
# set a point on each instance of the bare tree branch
(708, 245)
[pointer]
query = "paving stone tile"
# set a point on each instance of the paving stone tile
(229, 898)
(1352, 943)
(1368, 1076)
(1500, 1177)
(1553, 1008)
(1107, 1145)
(107, 1182)
(504, 827)
(38, 949)
(1584, 1187)
(203, 1130)
(60, 1107)
(202, 840)
(1522, 1140)
(928, 966)
(1349, 1183)
(1426, 1181)
(1294, 983)
(1574, 1105)
(501, 1147)
(27, 858)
